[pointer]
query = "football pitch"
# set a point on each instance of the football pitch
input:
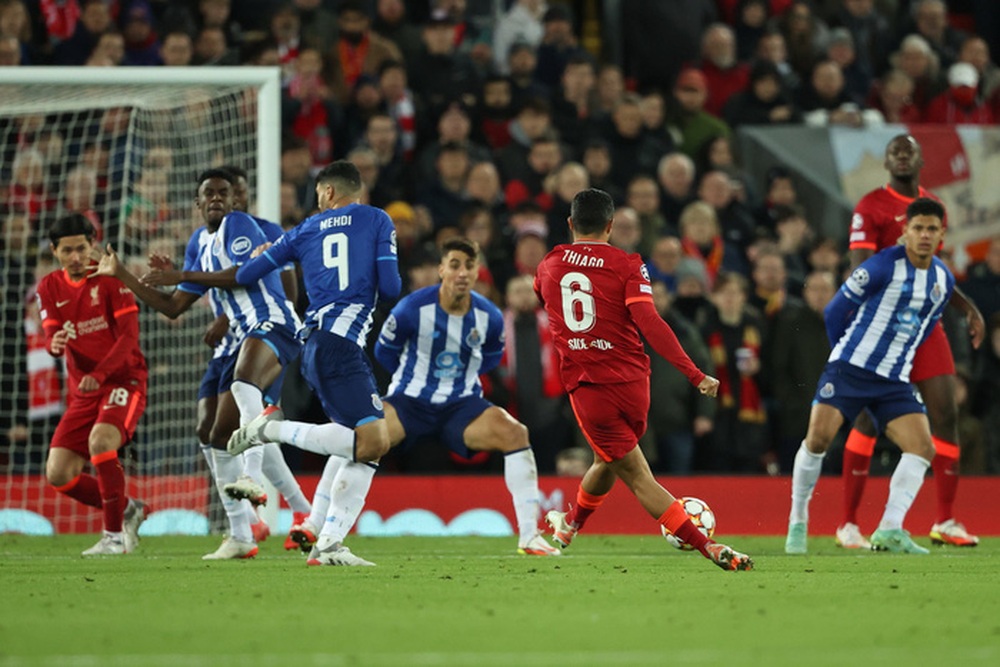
(472, 601)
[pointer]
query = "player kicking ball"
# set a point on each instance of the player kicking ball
(599, 299)
(94, 322)
(875, 323)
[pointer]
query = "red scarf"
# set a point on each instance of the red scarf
(551, 383)
(713, 261)
(352, 59)
(751, 407)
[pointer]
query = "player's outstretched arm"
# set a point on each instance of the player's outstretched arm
(162, 277)
(977, 325)
(663, 339)
(172, 305)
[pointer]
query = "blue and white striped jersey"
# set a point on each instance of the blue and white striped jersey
(261, 301)
(895, 305)
(437, 357)
(348, 260)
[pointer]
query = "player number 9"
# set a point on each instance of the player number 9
(335, 256)
(577, 302)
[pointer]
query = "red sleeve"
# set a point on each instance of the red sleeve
(864, 230)
(663, 339)
(126, 315)
(50, 323)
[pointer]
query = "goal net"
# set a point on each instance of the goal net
(122, 146)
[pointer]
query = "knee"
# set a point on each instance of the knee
(371, 447)
(514, 437)
(57, 475)
(104, 441)
(204, 432)
(944, 420)
(818, 443)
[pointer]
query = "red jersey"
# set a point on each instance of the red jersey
(879, 218)
(587, 289)
(101, 317)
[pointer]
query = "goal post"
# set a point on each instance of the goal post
(122, 146)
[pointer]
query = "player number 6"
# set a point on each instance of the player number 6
(577, 302)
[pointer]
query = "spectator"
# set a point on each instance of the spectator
(664, 260)
(869, 31)
(702, 239)
(892, 96)
(568, 180)
(401, 103)
(533, 120)
(976, 52)
(478, 224)
(472, 34)
(141, 44)
(736, 222)
(521, 23)
(522, 62)
(443, 197)
(750, 25)
(643, 196)
(95, 19)
(365, 103)
(285, 31)
(764, 102)
(543, 159)
(290, 212)
(986, 392)
(726, 76)
(307, 110)
(482, 188)
(689, 122)
(675, 174)
(824, 101)
(960, 104)
(779, 192)
(692, 289)
(217, 14)
(176, 50)
(798, 353)
(825, 255)
(440, 74)
(916, 59)
(660, 37)
(530, 248)
(982, 282)
(633, 151)
(733, 335)
(357, 51)
(794, 236)
(558, 44)
(597, 161)
(453, 126)
(318, 25)
(296, 164)
(80, 196)
(15, 23)
(10, 51)
(530, 372)
(391, 23)
(653, 108)
(610, 88)
(930, 20)
(626, 233)
(496, 112)
(840, 50)
(772, 48)
(680, 415)
(573, 108)
(211, 48)
(394, 174)
(109, 52)
(805, 36)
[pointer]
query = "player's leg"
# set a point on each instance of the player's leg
(228, 468)
(68, 452)
(590, 494)
(938, 393)
(205, 418)
(634, 471)
(858, 451)
(494, 429)
(912, 433)
(824, 422)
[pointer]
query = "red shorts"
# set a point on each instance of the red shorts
(933, 357)
(117, 405)
(612, 416)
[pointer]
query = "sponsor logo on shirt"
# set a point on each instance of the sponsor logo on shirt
(448, 365)
(580, 344)
(240, 246)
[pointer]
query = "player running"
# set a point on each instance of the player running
(259, 314)
(877, 224)
(887, 309)
(94, 321)
(599, 299)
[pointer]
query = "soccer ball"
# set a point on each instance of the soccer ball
(701, 516)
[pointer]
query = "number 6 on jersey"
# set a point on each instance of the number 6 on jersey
(576, 290)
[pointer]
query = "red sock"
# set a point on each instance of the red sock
(111, 479)
(945, 465)
(586, 504)
(676, 520)
(82, 488)
(858, 452)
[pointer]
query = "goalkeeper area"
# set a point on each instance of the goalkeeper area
(124, 149)
(471, 601)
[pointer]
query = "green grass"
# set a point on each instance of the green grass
(471, 601)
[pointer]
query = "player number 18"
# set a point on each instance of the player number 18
(577, 302)
(335, 256)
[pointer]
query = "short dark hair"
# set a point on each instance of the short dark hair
(236, 170)
(462, 245)
(343, 172)
(924, 206)
(591, 210)
(216, 172)
(75, 224)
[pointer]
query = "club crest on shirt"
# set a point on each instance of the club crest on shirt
(937, 294)
(474, 339)
(94, 295)
(240, 245)
(827, 391)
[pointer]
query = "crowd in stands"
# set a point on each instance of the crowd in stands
(484, 118)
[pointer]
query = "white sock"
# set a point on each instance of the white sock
(350, 488)
(904, 486)
(253, 463)
(227, 469)
(206, 451)
(249, 400)
(321, 499)
(805, 474)
(330, 439)
(280, 475)
(521, 475)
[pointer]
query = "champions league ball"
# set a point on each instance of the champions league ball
(701, 516)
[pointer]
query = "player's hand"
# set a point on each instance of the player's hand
(977, 327)
(702, 426)
(260, 250)
(709, 386)
(161, 277)
(88, 384)
(108, 263)
(59, 340)
(216, 331)
(158, 261)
